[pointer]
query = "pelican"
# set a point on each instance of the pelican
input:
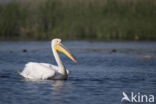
(42, 71)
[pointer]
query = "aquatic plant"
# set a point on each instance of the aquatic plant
(78, 19)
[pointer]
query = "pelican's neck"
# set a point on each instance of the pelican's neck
(59, 62)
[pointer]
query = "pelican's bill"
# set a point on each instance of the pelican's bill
(60, 47)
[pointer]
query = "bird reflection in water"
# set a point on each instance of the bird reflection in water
(60, 88)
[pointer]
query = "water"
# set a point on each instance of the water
(103, 72)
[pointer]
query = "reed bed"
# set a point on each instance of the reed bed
(78, 19)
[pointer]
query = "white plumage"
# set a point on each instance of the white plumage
(37, 71)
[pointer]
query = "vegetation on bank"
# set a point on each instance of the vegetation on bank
(78, 19)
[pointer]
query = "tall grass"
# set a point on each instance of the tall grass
(78, 19)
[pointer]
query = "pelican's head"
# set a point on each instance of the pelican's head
(58, 46)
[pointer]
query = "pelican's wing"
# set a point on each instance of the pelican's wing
(37, 71)
(49, 65)
(54, 67)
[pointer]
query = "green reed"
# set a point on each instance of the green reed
(78, 19)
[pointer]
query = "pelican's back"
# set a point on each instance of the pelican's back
(35, 71)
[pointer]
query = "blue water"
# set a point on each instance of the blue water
(103, 72)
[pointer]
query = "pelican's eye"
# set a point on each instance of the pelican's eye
(57, 41)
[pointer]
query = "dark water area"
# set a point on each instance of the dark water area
(104, 71)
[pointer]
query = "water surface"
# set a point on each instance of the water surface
(103, 72)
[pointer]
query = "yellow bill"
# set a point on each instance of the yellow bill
(60, 47)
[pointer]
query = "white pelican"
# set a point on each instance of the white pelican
(37, 71)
